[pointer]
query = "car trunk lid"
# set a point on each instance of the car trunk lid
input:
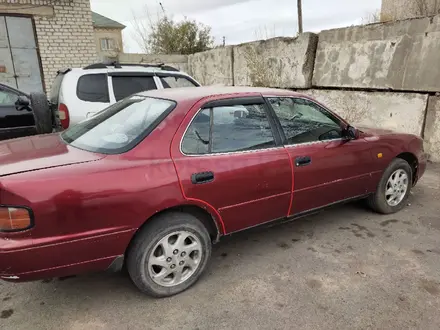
(40, 152)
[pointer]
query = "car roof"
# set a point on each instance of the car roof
(198, 93)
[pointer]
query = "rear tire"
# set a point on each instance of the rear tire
(391, 195)
(169, 254)
(42, 114)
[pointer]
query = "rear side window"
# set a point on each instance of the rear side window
(228, 129)
(196, 140)
(93, 88)
(176, 82)
(126, 86)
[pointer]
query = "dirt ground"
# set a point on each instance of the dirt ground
(346, 268)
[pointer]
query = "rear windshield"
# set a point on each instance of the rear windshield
(119, 127)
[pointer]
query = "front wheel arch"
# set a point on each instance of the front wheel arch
(412, 160)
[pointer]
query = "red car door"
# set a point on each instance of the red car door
(229, 156)
(328, 168)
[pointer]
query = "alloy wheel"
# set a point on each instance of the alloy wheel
(175, 258)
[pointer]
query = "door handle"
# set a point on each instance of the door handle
(202, 177)
(303, 161)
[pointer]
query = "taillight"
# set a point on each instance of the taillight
(64, 115)
(14, 218)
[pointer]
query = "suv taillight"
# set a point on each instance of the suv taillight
(64, 115)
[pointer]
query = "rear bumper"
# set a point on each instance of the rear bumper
(21, 262)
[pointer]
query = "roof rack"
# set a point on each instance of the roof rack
(118, 65)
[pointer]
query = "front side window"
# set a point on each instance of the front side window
(176, 82)
(229, 129)
(7, 98)
(119, 127)
(93, 88)
(125, 86)
(304, 121)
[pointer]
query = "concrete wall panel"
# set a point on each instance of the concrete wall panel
(213, 67)
(402, 112)
(432, 129)
(398, 56)
(278, 62)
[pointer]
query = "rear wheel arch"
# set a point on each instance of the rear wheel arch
(205, 217)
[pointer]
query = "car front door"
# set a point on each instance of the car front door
(228, 155)
(328, 167)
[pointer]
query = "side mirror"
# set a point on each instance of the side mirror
(352, 133)
(22, 103)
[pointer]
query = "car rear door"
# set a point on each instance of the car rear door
(327, 167)
(228, 155)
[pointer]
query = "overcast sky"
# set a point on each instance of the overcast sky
(240, 20)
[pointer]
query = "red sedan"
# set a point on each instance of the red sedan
(154, 179)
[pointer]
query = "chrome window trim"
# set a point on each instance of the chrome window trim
(319, 105)
(312, 143)
(218, 153)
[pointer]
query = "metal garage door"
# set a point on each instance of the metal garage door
(19, 63)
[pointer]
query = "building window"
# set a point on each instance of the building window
(107, 44)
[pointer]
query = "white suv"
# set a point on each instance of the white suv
(80, 93)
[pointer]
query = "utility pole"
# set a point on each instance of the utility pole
(300, 17)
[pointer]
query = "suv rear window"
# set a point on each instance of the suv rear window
(126, 86)
(120, 127)
(93, 88)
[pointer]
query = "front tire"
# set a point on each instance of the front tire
(394, 188)
(169, 254)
